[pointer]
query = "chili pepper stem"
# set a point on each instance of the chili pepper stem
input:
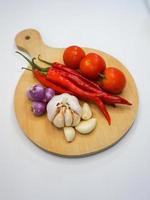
(44, 70)
(32, 63)
(29, 61)
(44, 61)
(31, 70)
(27, 69)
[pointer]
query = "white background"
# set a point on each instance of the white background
(120, 28)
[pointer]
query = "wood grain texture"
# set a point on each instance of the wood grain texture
(41, 132)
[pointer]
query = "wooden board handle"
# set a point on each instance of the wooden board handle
(27, 39)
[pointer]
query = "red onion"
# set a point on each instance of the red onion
(36, 93)
(39, 96)
(38, 108)
(49, 93)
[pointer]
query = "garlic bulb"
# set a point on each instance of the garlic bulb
(64, 110)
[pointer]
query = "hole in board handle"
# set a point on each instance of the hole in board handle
(27, 37)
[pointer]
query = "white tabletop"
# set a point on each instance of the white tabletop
(120, 28)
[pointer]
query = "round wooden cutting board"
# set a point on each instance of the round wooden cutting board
(41, 132)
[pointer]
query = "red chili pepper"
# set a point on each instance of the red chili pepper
(57, 78)
(43, 80)
(107, 98)
(77, 74)
(71, 71)
(103, 109)
(112, 99)
(76, 80)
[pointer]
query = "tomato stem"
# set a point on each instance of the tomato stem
(101, 76)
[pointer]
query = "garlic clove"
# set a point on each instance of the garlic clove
(58, 121)
(52, 107)
(85, 127)
(86, 112)
(68, 117)
(54, 113)
(76, 119)
(69, 133)
(74, 104)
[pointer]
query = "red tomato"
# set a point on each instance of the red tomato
(114, 80)
(72, 56)
(91, 65)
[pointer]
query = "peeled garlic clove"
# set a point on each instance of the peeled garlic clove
(86, 112)
(58, 121)
(85, 127)
(68, 117)
(69, 133)
(76, 119)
